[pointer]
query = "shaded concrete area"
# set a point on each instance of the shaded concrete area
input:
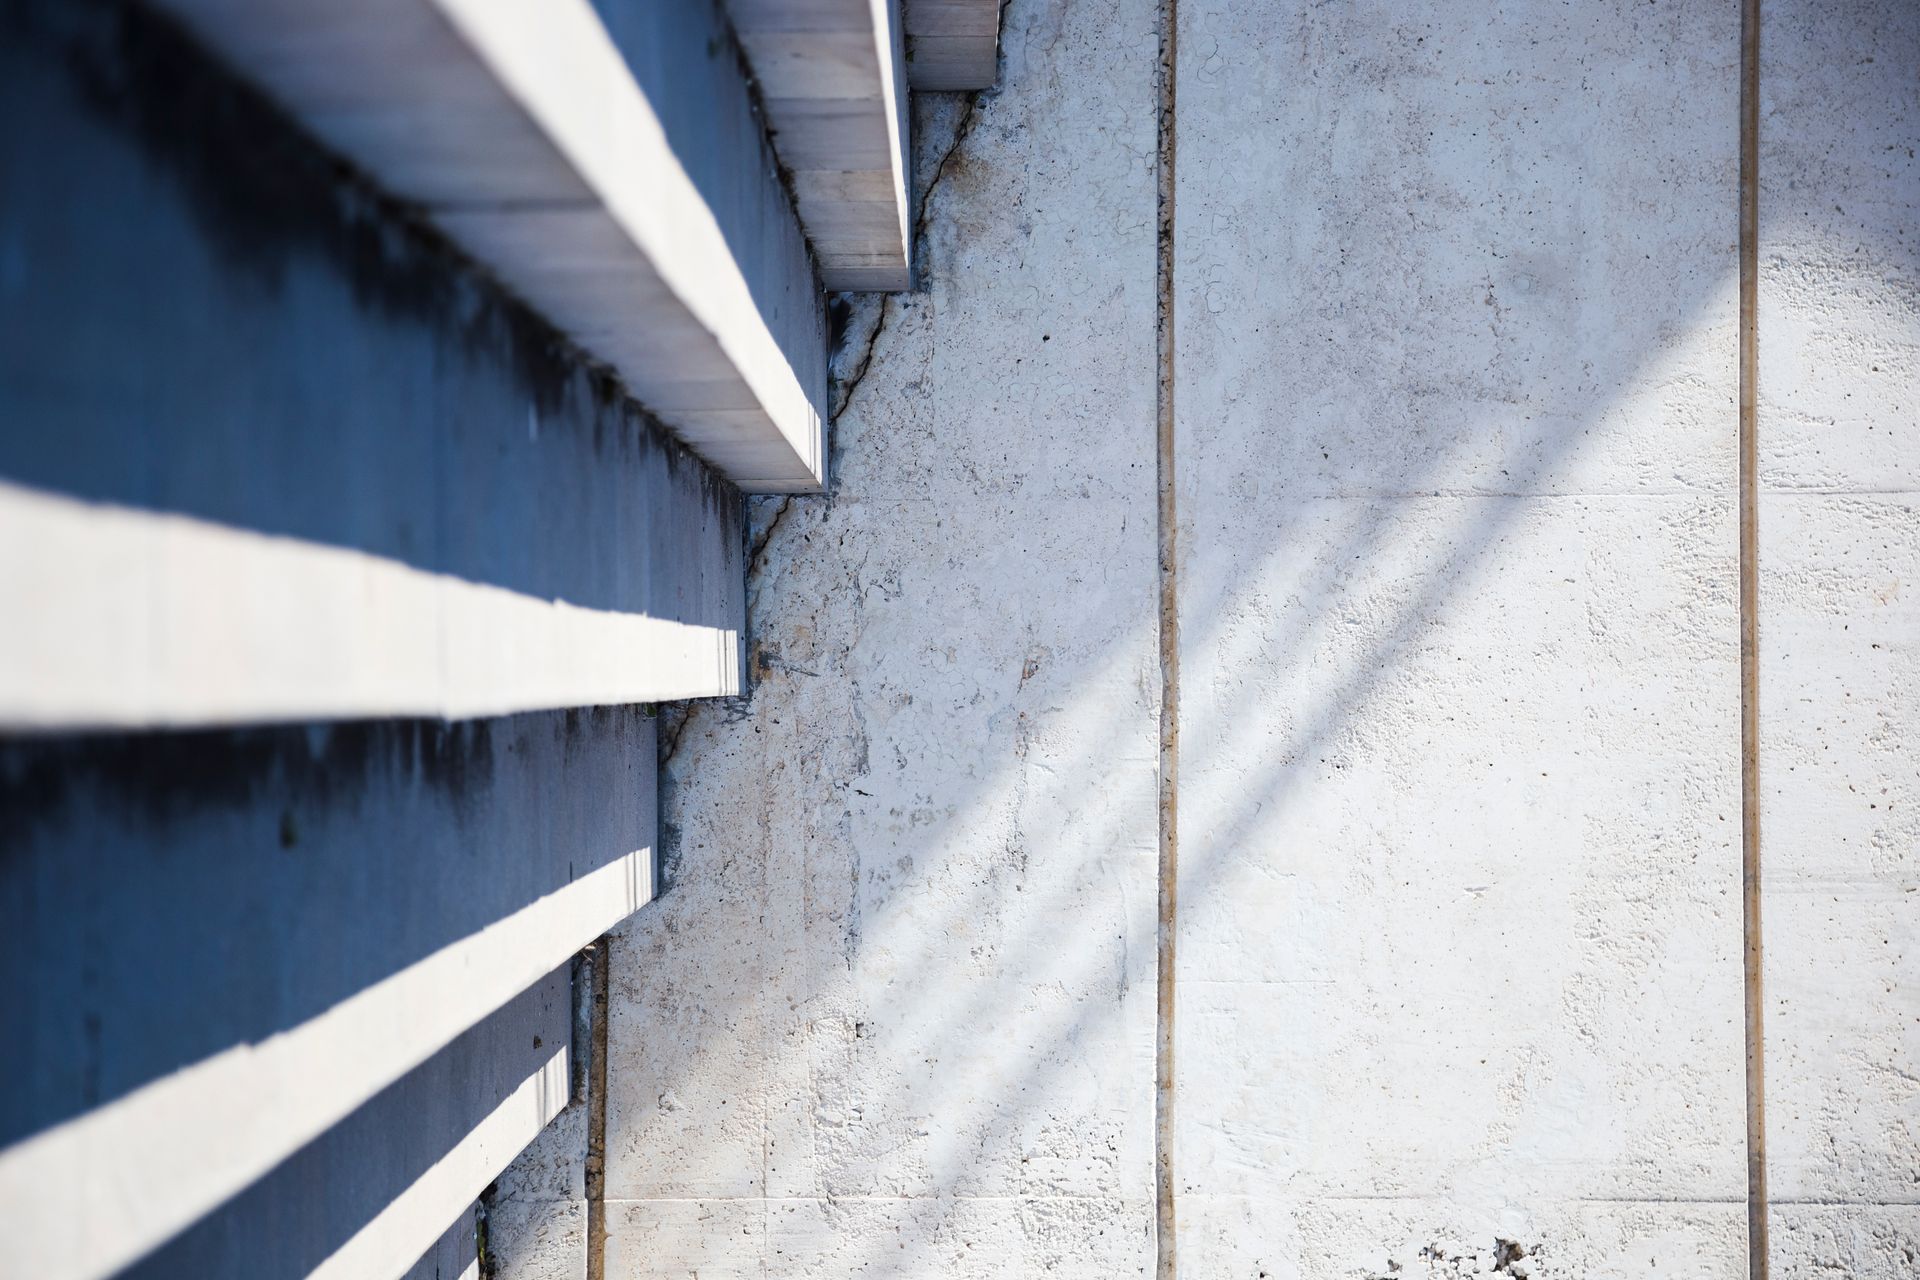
(416, 412)
(307, 1213)
(271, 396)
(220, 945)
(282, 870)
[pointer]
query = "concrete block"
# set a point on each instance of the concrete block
(633, 121)
(276, 925)
(396, 1180)
(833, 80)
(1839, 679)
(274, 453)
(1871, 1242)
(953, 44)
(1419, 1238)
(1459, 791)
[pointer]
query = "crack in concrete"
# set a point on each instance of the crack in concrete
(1758, 1260)
(968, 122)
(851, 383)
(1167, 521)
(757, 549)
(673, 727)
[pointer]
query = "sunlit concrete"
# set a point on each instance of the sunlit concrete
(1840, 633)
(1459, 942)
(161, 620)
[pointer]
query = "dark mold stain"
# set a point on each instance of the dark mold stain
(266, 193)
(166, 777)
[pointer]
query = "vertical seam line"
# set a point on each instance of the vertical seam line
(1166, 1265)
(599, 966)
(1757, 1252)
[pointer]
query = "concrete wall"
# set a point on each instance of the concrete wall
(1840, 633)
(1460, 938)
(1460, 981)
(895, 1016)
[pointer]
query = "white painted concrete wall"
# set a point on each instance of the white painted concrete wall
(895, 1016)
(1460, 887)
(1840, 633)
(1460, 974)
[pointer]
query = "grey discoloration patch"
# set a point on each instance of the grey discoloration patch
(1445, 1257)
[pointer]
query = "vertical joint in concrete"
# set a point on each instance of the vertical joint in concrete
(1166, 1266)
(597, 968)
(1750, 636)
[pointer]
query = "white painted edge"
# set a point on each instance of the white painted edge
(136, 619)
(890, 47)
(111, 1185)
(414, 1220)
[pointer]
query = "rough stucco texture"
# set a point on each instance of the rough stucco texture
(1460, 867)
(1840, 633)
(895, 1016)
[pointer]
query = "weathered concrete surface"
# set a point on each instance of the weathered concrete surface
(1460, 987)
(263, 442)
(1840, 632)
(896, 1016)
(1460, 811)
